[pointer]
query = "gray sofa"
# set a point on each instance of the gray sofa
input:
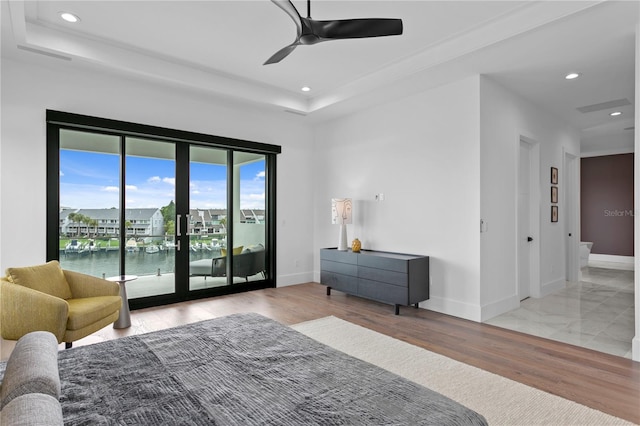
(30, 389)
(250, 262)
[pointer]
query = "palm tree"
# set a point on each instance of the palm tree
(75, 218)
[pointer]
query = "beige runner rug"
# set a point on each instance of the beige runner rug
(500, 400)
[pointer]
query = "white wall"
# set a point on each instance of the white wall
(33, 83)
(616, 144)
(505, 118)
(422, 153)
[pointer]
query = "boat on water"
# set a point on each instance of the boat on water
(132, 245)
(72, 247)
(152, 249)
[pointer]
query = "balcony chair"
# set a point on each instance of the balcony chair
(45, 297)
(247, 261)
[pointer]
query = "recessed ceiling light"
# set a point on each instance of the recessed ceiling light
(69, 17)
(615, 113)
(306, 89)
(572, 76)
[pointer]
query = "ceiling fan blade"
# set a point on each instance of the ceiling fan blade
(281, 54)
(290, 10)
(356, 28)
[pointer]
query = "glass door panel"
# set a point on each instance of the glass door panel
(88, 231)
(249, 226)
(150, 215)
(207, 218)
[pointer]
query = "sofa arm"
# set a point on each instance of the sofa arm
(24, 310)
(83, 285)
(34, 409)
(32, 368)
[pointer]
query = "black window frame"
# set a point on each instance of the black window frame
(57, 120)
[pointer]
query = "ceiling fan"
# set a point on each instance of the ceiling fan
(310, 31)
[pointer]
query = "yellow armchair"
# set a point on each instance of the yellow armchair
(68, 304)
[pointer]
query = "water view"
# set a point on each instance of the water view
(139, 262)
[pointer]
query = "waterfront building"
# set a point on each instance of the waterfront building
(106, 222)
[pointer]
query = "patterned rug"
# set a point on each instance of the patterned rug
(242, 369)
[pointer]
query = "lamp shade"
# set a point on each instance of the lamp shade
(341, 211)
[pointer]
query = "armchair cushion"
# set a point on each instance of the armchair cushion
(234, 251)
(89, 310)
(32, 368)
(47, 278)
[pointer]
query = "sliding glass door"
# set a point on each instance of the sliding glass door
(149, 216)
(116, 210)
(189, 219)
(90, 190)
(207, 217)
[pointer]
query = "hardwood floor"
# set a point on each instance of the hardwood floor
(605, 382)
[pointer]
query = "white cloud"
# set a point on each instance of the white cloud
(111, 189)
(170, 181)
(154, 179)
(131, 187)
(61, 173)
(260, 175)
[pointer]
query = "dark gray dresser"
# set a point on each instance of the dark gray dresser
(395, 278)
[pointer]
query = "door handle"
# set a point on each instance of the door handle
(178, 245)
(529, 239)
(178, 217)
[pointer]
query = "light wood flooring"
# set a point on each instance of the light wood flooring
(605, 382)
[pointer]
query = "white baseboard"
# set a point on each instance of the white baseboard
(293, 279)
(635, 348)
(500, 307)
(453, 308)
(551, 287)
(611, 258)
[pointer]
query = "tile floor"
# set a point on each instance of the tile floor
(596, 312)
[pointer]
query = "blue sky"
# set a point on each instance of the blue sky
(91, 180)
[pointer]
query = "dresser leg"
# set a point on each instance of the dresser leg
(397, 309)
(328, 291)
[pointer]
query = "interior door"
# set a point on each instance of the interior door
(524, 222)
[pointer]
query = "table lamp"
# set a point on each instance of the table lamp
(341, 214)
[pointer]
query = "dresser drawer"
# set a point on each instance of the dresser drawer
(345, 283)
(382, 292)
(339, 256)
(395, 264)
(340, 268)
(384, 276)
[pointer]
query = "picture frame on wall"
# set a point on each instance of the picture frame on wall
(554, 213)
(554, 175)
(554, 194)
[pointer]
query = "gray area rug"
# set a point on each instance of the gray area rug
(242, 369)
